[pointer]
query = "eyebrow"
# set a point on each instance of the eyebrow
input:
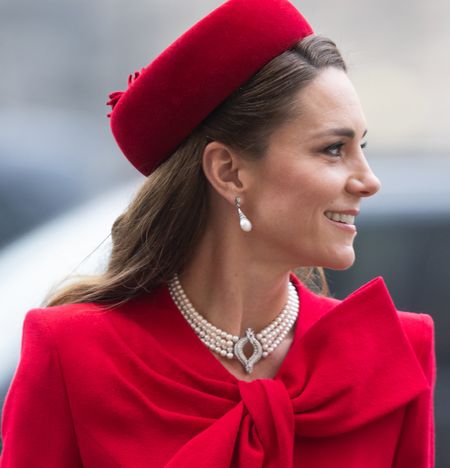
(347, 132)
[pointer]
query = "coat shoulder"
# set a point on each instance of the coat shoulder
(64, 314)
(419, 329)
(87, 321)
(65, 322)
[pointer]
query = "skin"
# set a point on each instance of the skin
(238, 279)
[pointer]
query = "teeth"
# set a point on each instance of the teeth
(343, 218)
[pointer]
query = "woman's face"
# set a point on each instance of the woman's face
(314, 169)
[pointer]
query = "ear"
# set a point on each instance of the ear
(224, 169)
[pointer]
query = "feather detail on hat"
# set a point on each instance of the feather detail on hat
(115, 96)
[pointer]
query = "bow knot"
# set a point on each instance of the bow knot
(269, 409)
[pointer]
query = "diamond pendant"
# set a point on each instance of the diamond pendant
(257, 350)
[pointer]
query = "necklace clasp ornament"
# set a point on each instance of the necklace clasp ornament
(257, 350)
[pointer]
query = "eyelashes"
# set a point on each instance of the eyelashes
(335, 150)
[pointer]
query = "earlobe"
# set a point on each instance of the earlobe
(221, 167)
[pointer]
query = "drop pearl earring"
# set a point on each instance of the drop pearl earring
(244, 222)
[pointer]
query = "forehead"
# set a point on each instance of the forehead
(328, 102)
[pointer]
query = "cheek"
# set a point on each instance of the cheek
(291, 196)
(295, 190)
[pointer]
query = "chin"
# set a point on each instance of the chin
(343, 262)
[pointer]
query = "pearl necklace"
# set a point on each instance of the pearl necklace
(231, 346)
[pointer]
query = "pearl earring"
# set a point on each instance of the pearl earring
(244, 222)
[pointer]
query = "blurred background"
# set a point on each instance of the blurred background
(63, 180)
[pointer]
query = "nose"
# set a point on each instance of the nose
(363, 181)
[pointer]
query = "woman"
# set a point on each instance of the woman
(199, 346)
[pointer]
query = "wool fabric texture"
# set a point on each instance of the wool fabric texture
(135, 387)
(171, 96)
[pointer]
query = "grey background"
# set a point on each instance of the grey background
(60, 59)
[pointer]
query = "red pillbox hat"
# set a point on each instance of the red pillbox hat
(172, 95)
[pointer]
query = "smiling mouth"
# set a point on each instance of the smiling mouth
(340, 218)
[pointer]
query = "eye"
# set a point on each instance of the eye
(334, 150)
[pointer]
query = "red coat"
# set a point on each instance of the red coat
(134, 387)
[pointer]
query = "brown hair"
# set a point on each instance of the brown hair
(156, 235)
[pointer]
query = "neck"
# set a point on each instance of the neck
(230, 287)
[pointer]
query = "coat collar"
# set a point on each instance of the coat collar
(350, 363)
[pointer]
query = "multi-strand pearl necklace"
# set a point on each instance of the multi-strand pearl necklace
(230, 346)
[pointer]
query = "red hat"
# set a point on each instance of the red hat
(172, 95)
